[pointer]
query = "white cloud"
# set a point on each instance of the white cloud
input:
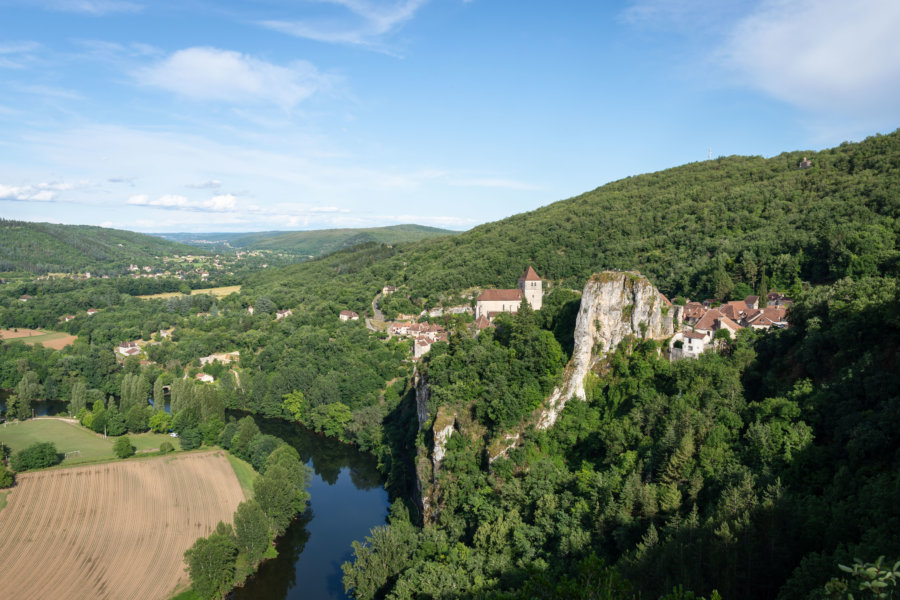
(830, 55)
(363, 22)
(41, 192)
(221, 203)
(91, 7)
(232, 77)
(25, 193)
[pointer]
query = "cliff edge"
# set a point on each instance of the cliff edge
(615, 305)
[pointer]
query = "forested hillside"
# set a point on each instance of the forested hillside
(754, 470)
(701, 230)
(51, 248)
(312, 243)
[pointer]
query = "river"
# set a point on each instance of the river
(347, 499)
(41, 408)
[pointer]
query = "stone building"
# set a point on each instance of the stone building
(492, 302)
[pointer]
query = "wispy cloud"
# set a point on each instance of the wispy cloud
(212, 184)
(356, 22)
(221, 203)
(17, 55)
(235, 78)
(91, 7)
(47, 91)
(115, 53)
(824, 55)
(496, 183)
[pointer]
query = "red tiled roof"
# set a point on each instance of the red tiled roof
(694, 310)
(729, 324)
(495, 295)
(482, 322)
(708, 322)
(694, 335)
(529, 275)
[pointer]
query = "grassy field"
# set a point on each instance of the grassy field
(244, 472)
(51, 339)
(69, 437)
(113, 530)
(218, 292)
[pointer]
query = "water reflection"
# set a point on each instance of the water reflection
(347, 500)
(41, 408)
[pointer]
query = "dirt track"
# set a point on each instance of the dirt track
(116, 530)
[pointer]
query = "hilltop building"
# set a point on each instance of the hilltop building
(492, 302)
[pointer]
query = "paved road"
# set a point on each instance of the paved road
(379, 316)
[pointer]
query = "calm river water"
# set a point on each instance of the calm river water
(346, 500)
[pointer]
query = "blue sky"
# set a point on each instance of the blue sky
(201, 115)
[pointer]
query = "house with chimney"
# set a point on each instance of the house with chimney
(490, 303)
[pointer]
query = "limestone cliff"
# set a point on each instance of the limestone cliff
(615, 305)
(428, 460)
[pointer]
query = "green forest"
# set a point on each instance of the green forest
(51, 248)
(754, 472)
(316, 242)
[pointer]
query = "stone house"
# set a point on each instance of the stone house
(348, 315)
(493, 302)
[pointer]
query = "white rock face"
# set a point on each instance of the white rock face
(441, 436)
(614, 305)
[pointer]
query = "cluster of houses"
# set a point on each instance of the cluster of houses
(66, 318)
(701, 321)
(423, 335)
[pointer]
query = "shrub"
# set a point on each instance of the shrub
(6, 478)
(123, 448)
(35, 456)
(166, 447)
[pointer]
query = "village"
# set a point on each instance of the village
(700, 326)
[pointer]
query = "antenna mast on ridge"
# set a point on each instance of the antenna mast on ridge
(708, 153)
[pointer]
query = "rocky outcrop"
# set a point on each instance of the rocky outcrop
(615, 305)
(423, 395)
(427, 467)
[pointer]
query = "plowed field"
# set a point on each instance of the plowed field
(116, 530)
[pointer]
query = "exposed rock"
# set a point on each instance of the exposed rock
(423, 395)
(615, 305)
(442, 428)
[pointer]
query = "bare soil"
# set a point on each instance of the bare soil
(115, 530)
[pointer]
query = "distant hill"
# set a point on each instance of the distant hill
(311, 243)
(52, 248)
(705, 229)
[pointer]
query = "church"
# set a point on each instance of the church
(492, 302)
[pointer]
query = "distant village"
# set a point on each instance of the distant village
(702, 325)
(697, 330)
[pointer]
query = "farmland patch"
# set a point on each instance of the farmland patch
(114, 530)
